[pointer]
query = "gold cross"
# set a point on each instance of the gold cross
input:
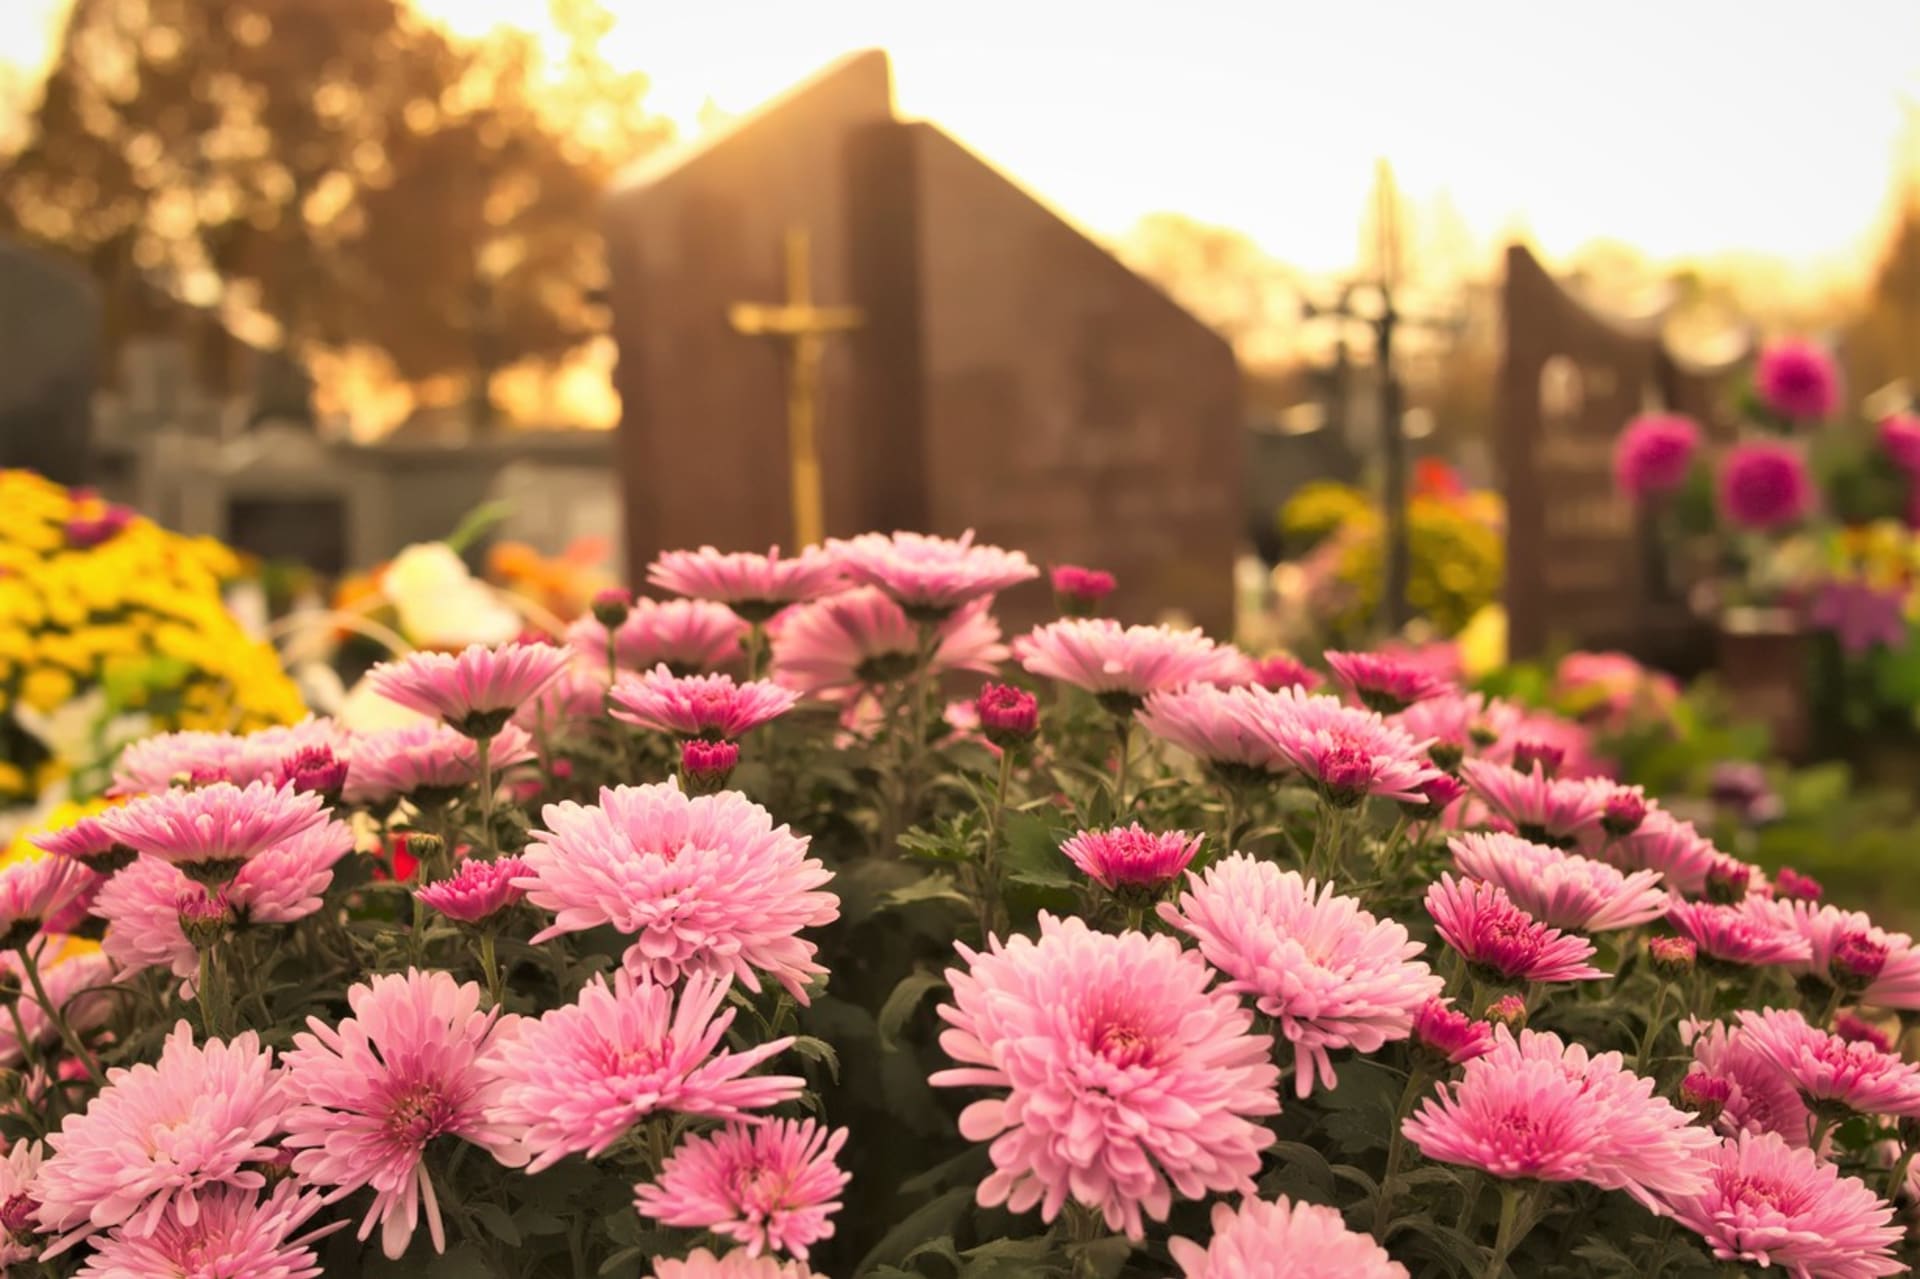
(804, 329)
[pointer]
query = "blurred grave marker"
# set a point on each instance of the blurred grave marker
(49, 356)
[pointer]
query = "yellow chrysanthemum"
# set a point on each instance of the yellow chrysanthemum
(47, 689)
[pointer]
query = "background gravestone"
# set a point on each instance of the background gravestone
(49, 353)
(1011, 376)
(1581, 572)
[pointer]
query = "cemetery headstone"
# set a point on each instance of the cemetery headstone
(1008, 374)
(49, 355)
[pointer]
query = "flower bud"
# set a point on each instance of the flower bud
(1624, 811)
(1727, 882)
(1673, 956)
(611, 606)
(1857, 1030)
(1449, 1035)
(205, 918)
(1706, 1095)
(1440, 791)
(1792, 885)
(1529, 755)
(1009, 716)
(706, 766)
(1509, 1011)
(1077, 591)
(1856, 960)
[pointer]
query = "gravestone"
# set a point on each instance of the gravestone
(1582, 571)
(1009, 375)
(49, 354)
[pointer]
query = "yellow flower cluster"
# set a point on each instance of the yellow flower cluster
(96, 600)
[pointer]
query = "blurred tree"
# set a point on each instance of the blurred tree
(1882, 341)
(332, 174)
(1222, 276)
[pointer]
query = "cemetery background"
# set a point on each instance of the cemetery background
(1221, 431)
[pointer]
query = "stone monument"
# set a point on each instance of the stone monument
(49, 355)
(962, 358)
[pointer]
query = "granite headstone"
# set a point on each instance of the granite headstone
(49, 360)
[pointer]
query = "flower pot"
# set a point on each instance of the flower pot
(1764, 657)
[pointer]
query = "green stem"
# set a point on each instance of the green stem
(485, 746)
(57, 1016)
(992, 907)
(29, 1051)
(1229, 818)
(1512, 1200)
(213, 1012)
(1124, 729)
(1396, 1152)
(1833, 1006)
(1897, 1179)
(1823, 1121)
(756, 646)
(1656, 1022)
(496, 980)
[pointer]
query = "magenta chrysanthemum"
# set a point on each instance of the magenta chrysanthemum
(17, 1173)
(703, 883)
(1077, 591)
(1772, 1205)
(1547, 810)
(710, 706)
(1451, 1034)
(405, 1068)
(212, 832)
(158, 1136)
(1118, 1071)
(1764, 485)
(143, 903)
(1827, 1069)
(234, 1233)
(771, 1186)
(1896, 983)
(701, 1264)
(1564, 890)
(1276, 671)
(1218, 727)
(756, 586)
(1386, 684)
(1283, 1240)
(1347, 753)
(476, 690)
(574, 1081)
(427, 758)
(861, 639)
(931, 575)
(1661, 842)
(78, 983)
(1131, 858)
(1756, 931)
(478, 891)
(686, 636)
(36, 889)
(1798, 380)
(1759, 1097)
(1121, 665)
(1325, 969)
(1481, 922)
(1654, 454)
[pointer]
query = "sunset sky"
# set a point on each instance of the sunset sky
(1682, 128)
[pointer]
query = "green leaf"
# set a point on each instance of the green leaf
(819, 1050)
(907, 994)
(1033, 854)
(929, 1221)
(498, 1221)
(937, 887)
(626, 1256)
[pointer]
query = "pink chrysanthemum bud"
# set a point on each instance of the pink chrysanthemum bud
(611, 606)
(1450, 1034)
(1542, 757)
(1706, 1095)
(316, 770)
(1009, 716)
(1509, 1011)
(1673, 956)
(1077, 591)
(706, 766)
(205, 917)
(1790, 883)
(1624, 811)
(1856, 960)
(1439, 794)
(1727, 882)
(1278, 670)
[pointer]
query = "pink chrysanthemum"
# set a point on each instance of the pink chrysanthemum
(755, 586)
(1828, 1069)
(1547, 810)
(1451, 1034)
(1772, 1205)
(1131, 858)
(158, 1136)
(1276, 671)
(1386, 684)
(1451, 724)
(1756, 931)
(1798, 380)
(407, 1067)
(1482, 923)
(1764, 485)
(1283, 1240)
(1077, 591)
(709, 706)
(1005, 715)
(1121, 665)
(78, 983)
(701, 1264)
(574, 1081)
(930, 576)
(1331, 974)
(1564, 890)
(685, 636)
(212, 832)
(1218, 727)
(1661, 842)
(703, 883)
(1654, 453)
(478, 891)
(577, 695)
(1345, 752)
(771, 1186)
(17, 1173)
(234, 1233)
(143, 903)
(860, 639)
(1759, 1097)
(1896, 983)
(155, 764)
(87, 842)
(34, 890)
(1121, 1072)
(427, 759)
(476, 690)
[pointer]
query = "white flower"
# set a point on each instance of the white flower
(440, 603)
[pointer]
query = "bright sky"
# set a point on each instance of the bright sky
(1680, 126)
